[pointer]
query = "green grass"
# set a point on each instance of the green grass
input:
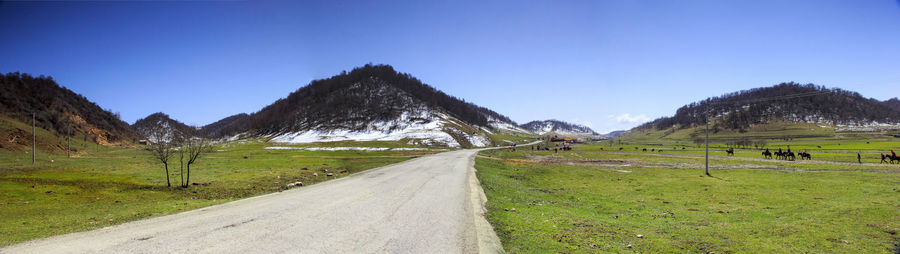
(104, 186)
(589, 201)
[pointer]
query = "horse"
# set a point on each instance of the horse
(767, 154)
(805, 156)
(893, 158)
(644, 150)
(730, 151)
(780, 155)
(790, 156)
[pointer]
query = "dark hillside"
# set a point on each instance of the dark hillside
(554, 125)
(60, 110)
(740, 110)
(144, 125)
(354, 99)
(226, 125)
(893, 103)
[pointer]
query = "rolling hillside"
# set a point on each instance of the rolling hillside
(215, 129)
(145, 125)
(742, 110)
(58, 110)
(373, 102)
(558, 127)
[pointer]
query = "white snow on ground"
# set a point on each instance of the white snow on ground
(500, 125)
(478, 140)
(409, 125)
(346, 148)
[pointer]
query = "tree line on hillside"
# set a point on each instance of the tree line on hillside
(59, 109)
(740, 110)
(217, 128)
(353, 99)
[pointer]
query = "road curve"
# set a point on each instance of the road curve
(431, 204)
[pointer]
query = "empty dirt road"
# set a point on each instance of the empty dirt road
(430, 204)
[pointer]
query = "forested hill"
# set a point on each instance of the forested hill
(740, 110)
(146, 125)
(354, 100)
(59, 109)
(893, 103)
(557, 126)
(217, 128)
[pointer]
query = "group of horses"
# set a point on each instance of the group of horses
(786, 155)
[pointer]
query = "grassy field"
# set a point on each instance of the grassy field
(103, 186)
(591, 200)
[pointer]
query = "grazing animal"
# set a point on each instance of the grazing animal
(620, 148)
(767, 154)
(805, 156)
(644, 150)
(660, 150)
(730, 151)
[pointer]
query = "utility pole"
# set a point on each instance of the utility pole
(707, 143)
(33, 140)
(68, 147)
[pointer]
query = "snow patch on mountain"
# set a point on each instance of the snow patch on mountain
(426, 126)
(558, 127)
(504, 126)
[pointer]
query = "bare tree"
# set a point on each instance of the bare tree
(162, 146)
(192, 149)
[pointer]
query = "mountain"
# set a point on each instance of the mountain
(893, 103)
(818, 104)
(614, 134)
(59, 110)
(146, 125)
(558, 127)
(226, 125)
(373, 102)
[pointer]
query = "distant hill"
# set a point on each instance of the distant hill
(144, 126)
(373, 102)
(614, 134)
(59, 110)
(893, 103)
(558, 127)
(226, 125)
(743, 109)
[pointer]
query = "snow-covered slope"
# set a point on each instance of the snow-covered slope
(499, 125)
(169, 128)
(425, 127)
(372, 103)
(558, 127)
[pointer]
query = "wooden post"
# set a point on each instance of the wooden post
(33, 140)
(707, 141)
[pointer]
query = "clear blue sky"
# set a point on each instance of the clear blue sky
(608, 64)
